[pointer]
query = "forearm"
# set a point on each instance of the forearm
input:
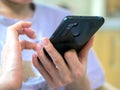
(83, 84)
(7, 83)
(3, 84)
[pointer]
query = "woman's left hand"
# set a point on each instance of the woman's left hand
(60, 73)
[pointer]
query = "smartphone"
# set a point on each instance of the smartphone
(74, 32)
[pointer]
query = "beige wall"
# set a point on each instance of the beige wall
(107, 47)
(78, 6)
(81, 7)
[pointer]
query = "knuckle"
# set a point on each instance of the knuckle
(56, 61)
(49, 48)
(78, 73)
(53, 86)
(69, 53)
(48, 68)
(68, 80)
(23, 42)
(40, 53)
(60, 84)
(23, 45)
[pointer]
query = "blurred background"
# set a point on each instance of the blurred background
(107, 40)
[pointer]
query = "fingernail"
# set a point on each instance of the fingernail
(39, 47)
(34, 56)
(45, 41)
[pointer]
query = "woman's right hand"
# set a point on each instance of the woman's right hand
(11, 58)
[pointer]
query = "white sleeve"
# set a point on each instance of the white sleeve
(95, 71)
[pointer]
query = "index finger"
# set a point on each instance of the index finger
(57, 58)
(21, 27)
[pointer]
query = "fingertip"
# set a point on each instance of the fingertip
(19, 26)
(34, 36)
(22, 24)
(34, 59)
(29, 32)
(39, 47)
(45, 41)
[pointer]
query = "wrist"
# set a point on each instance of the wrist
(9, 83)
(82, 84)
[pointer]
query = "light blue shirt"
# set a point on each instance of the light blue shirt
(45, 21)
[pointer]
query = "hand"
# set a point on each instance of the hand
(11, 61)
(81, 82)
(59, 73)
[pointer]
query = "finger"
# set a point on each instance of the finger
(20, 25)
(72, 60)
(27, 45)
(74, 64)
(84, 52)
(42, 70)
(57, 59)
(20, 28)
(29, 32)
(49, 67)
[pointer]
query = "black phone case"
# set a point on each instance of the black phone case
(74, 32)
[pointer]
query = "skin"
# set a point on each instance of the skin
(71, 75)
(11, 61)
(18, 9)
